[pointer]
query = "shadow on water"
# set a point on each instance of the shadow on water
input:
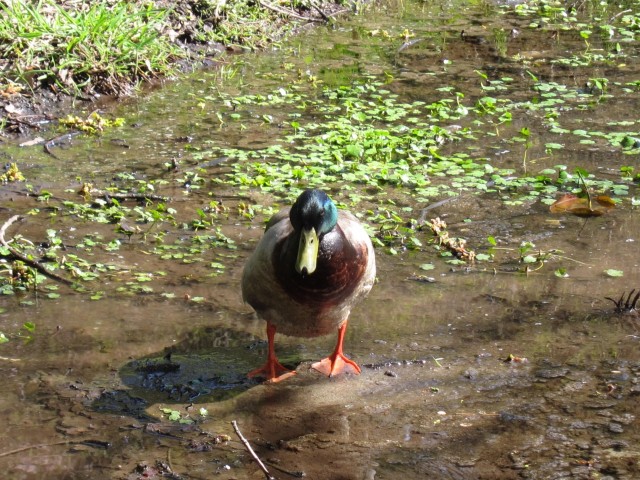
(209, 365)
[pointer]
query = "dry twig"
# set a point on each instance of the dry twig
(457, 246)
(40, 445)
(89, 443)
(288, 13)
(26, 260)
(128, 196)
(319, 10)
(245, 442)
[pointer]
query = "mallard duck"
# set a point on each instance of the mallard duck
(313, 264)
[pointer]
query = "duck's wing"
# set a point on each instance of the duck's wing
(277, 218)
(258, 277)
(355, 232)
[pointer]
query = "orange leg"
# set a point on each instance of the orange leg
(336, 362)
(272, 370)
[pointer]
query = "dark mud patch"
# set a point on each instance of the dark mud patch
(209, 365)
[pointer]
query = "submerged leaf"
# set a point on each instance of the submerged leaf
(605, 201)
(580, 206)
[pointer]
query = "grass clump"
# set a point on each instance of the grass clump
(244, 23)
(93, 47)
(80, 48)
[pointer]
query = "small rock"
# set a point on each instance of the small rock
(599, 404)
(513, 418)
(619, 376)
(581, 471)
(580, 425)
(466, 463)
(615, 428)
(552, 372)
(617, 445)
(471, 374)
(625, 418)
(557, 436)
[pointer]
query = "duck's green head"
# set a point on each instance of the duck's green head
(312, 215)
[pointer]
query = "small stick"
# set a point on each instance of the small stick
(6, 225)
(619, 14)
(169, 461)
(319, 10)
(128, 196)
(245, 442)
(288, 13)
(90, 443)
(52, 142)
(294, 474)
(40, 445)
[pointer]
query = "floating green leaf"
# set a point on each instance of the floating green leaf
(614, 273)
(561, 273)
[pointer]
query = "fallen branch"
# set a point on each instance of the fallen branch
(457, 246)
(58, 140)
(288, 13)
(245, 442)
(423, 213)
(129, 196)
(89, 443)
(26, 260)
(624, 12)
(40, 445)
(319, 10)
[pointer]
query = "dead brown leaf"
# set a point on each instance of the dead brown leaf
(582, 206)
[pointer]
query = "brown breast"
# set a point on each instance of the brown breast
(340, 268)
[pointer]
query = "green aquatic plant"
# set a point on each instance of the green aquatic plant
(500, 38)
(25, 333)
(94, 123)
(359, 136)
(612, 272)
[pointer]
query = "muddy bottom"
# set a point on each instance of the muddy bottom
(493, 390)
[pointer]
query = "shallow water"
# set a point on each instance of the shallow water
(476, 374)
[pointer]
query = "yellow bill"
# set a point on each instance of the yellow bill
(307, 252)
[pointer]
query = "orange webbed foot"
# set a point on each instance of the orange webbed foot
(331, 365)
(273, 372)
(337, 362)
